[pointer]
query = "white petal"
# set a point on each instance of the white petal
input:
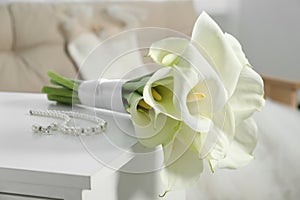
(218, 139)
(237, 48)
(186, 136)
(212, 43)
(182, 86)
(162, 48)
(248, 96)
(174, 104)
(152, 130)
(246, 135)
(166, 105)
(170, 59)
(201, 77)
(183, 166)
(219, 145)
(242, 147)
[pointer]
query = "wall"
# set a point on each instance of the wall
(270, 33)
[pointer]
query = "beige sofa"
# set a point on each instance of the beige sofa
(32, 42)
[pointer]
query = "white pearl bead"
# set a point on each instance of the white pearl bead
(64, 128)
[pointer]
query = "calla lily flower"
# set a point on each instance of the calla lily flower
(208, 87)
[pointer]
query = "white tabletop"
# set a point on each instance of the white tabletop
(72, 160)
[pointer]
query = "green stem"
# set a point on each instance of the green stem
(63, 99)
(53, 82)
(63, 81)
(59, 91)
(76, 81)
(164, 194)
(137, 84)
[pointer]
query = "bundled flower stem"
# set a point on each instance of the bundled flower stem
(65, 90)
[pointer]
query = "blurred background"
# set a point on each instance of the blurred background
(38, 35)
(267, 29)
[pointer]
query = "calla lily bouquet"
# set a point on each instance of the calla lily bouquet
(197, 105)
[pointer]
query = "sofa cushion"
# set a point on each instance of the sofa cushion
(6, 36)
(27, 70)
(30, 45)
(34, 24)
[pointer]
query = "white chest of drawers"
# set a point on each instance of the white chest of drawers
(34, 167)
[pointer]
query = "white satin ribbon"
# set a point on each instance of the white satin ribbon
(102, 93)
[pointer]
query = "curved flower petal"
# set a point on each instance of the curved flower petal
(242, 147)
(210, 38)
(182, 173)
(219, 149)
(186, 136)
(219, 137)
(183, 84)
(197, 72)
(248, 95)
(183, 166)
(166, 105)
(237, 48)
(174, 105)
(164, 51)
(152, 129)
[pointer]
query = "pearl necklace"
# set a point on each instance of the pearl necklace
(65, 127)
